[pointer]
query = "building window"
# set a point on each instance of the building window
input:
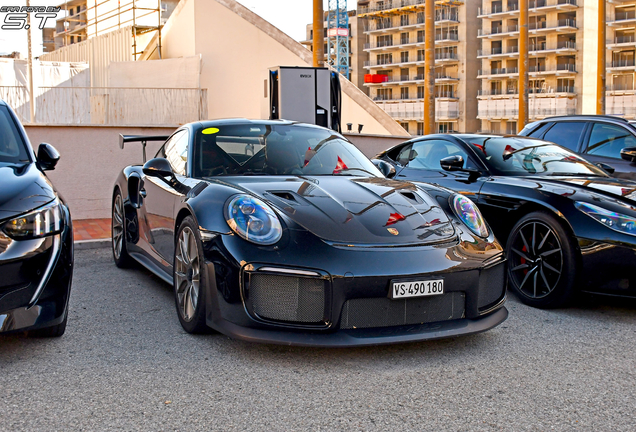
(385, 59)
(420, 36)
(421, 55)
(404, 93)
(404, 38)
(384, 94)
(511, 128)
(405, 126)
(385, 40)
(420, 92)
(404, 56)
(404, 20)
(420, 128)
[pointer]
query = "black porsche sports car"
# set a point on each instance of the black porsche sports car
(286, 233)
(36, 236)
(567, 224)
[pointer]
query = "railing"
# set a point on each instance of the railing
(446, 56)
(109, 105)
(565, 67)
(500, 71)
(387, 23)
(624, 39)
(406, 78)
(620, 87)
(497, 51)
(624, 16)
(418, 114)
(508, 113)
(544, 25)
(514, 7)
(622, 63)
(498, 30)
(515, 92)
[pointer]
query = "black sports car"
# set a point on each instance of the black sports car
(567, 224)
(286, 233)
(36, 236)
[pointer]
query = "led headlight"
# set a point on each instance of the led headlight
(616, 221)
(253, 220)
(468, 213)
(44, 221)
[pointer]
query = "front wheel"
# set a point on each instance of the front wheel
(541, 261)
(118, 233)
(189, 278)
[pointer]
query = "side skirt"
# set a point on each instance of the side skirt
(150, 265)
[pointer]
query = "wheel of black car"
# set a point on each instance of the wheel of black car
(189, 278)
(541, 261)
(118, 233)
(53, 331)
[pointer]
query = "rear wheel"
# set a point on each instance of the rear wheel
(118, 231)
(541, 261)
(189, 278)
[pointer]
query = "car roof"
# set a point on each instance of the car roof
(584, 117)
(234, 121)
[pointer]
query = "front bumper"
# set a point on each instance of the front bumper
(607, 267)
(353, 306)
(36, 281)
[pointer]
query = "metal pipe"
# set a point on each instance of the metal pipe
(319, 30)
(30, 66)
(523, 64)
(429, 67)
(601, 65)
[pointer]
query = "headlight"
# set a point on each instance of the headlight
(44, 221)
(468, 213)
(253, 220)
(616, 221)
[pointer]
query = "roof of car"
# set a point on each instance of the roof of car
(585, 117)
(231, 121)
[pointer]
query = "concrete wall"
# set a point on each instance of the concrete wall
(91, 160)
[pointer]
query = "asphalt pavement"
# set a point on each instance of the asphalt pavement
(126, 364)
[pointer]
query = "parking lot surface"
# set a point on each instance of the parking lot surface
(126, 364)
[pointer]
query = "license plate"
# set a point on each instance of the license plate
(416, 288)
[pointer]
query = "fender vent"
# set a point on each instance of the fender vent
(287, 196)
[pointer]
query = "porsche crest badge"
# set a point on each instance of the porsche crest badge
(393, 231)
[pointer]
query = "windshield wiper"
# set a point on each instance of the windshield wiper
(351, 169)
(571, 174)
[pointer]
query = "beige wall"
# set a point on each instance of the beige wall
(590, 55)
(238, 48)
(166, 73)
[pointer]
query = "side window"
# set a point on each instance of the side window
(608, 140)
(403, 157)
(427, 154)
(176, 151)
(566, 134)
(538, 132)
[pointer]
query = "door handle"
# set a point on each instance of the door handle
(142, 192)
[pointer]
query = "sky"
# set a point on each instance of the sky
(291, 16)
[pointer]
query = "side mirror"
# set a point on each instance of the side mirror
(158, 167)
(452, 163)
(456, 163)
(610, 169)
(385, 168)
(47, 157)
(629, 154)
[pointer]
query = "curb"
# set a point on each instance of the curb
(91, 244)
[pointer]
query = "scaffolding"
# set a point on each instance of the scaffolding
(338, 36)
(399, 7)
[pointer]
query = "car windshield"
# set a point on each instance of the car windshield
(265, 149)
(520, 157)
(12, 146)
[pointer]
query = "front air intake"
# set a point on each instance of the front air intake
(287, 298)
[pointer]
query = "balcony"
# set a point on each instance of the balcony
(441, 18)
(618, 65)
(501, 71)
(533, 92)
(498, 52)
(562, 25)
(622, 41)
(500, 31)
(415, 79)
(620, 89)
(537, 6)
(622, 18)
(507, 113)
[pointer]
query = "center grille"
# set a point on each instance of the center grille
(287, 298)
(384, 312)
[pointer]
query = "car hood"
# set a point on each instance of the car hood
(353, 211)
(22, 188)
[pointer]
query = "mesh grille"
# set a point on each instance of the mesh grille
(287, 298)
(384, 312)
(491, 286)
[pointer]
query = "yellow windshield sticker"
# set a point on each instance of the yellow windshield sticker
(209, 131)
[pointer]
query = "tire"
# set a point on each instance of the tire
(49, 332)
(541, 261)
(189, 278)
(118, 233)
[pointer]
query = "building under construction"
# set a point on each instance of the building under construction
(621, 45)
(395, 42)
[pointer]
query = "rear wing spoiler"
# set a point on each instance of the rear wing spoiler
(142, 139)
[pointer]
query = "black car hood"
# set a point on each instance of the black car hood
(353, 211)
(22, 188)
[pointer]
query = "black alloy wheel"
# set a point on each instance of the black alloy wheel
(189, 278)
(118, 233)
(541, 261)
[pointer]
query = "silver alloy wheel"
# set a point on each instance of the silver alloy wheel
(187, 274)
(118, 226)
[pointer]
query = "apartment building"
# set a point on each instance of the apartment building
(395, 42)
(357, 55)
(71, 28)
(621, 45)
(562, 60)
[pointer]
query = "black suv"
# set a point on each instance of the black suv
(600, 139)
